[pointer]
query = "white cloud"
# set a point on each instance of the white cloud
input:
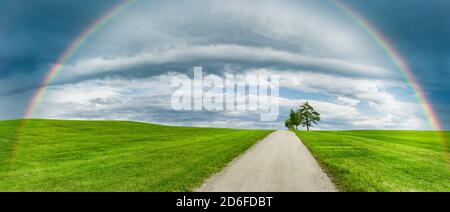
(149, 99)
(347, 101)
(301, 25)
(221, 52)
(371, 90)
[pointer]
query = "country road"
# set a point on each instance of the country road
(279, 163)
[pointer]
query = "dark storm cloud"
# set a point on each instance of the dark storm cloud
(37, 32)
(419, 30)
(32, 36)
(34, 33)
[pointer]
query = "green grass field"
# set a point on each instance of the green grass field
(381, 160)
(115, 156)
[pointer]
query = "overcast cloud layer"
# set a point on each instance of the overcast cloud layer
(124, 71)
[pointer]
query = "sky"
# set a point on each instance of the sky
(124, 70)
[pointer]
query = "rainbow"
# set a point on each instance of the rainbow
(70, 51)
(392, 53)
(401, 64)
(57, 67)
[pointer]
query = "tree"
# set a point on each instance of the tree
(295, 119)
(288, 124)
(305, 116)
(309, 116)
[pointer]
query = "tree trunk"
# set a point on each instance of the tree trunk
(307, 124)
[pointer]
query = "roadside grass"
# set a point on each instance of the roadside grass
(382, 160)
(58, 155)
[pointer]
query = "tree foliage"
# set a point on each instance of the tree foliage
(288, 124)
(295, 119)
(310, 116)
(305, 116)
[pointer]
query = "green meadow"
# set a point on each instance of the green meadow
(114, 155)
(56, 155)
(382, 160)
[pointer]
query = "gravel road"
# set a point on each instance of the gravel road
(280, 162)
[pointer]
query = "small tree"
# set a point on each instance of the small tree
(309, 116)
(288, 124)
(295, 119)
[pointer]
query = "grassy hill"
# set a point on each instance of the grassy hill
(56, 155)
(382, 160)
(114, 156)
